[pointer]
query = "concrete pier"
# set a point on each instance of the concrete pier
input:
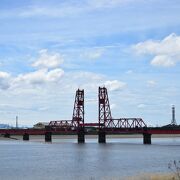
(48, 137)
(102, 136)
(146, 138)
(7, 135)
(26, 137)
(81, 135)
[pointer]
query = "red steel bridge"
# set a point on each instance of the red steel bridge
(106, 123)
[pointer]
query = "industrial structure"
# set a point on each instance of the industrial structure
(105, 125)
(173, 121)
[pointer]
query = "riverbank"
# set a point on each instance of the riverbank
(164, 176)
(154, 177)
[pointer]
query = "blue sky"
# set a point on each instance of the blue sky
(48, 49)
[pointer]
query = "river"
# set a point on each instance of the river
(64, 159)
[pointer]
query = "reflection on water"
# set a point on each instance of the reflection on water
(65, 159)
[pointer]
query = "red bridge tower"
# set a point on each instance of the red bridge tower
(78, 111)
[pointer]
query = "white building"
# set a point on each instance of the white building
(40, 125)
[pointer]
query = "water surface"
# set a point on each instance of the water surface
(65, 159)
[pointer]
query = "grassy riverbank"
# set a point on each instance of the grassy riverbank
(142, 177)
(154, 177)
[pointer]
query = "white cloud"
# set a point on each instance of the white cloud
(48, 72)
(43, 108)
(4, 74)
(91, 81)
(166, 52)
(89, 76)
(163, 60)
(39, 77)
(64, 9)
(93, 54)
(46, 60)
(55, 75)
(115, 85)
(87, 80)
(4, 80)
(51, 11)
(113, 106)
(108, 3)
(129, 72)
(141, 106)
(151, 83)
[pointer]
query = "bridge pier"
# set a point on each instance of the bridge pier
(102, 136)
(81, 135)
(146, 138)
(7, 135)
(48, 136)
(26, 137)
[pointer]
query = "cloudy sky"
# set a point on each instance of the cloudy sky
(48, 49)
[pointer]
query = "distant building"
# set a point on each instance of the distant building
(40, 125)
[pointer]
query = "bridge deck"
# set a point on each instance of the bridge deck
(108, 131)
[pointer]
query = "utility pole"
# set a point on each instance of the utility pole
(16, 122)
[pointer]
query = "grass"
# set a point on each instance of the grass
(141, 177)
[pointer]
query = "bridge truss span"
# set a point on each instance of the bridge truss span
(105, 118)
(61, 124)
(127, 123)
